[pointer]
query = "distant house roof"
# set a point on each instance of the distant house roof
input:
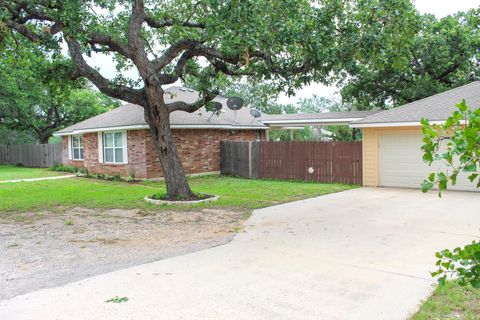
(131, 116)
(434, 108)
(306, 119)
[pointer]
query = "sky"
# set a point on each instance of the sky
(439, 8)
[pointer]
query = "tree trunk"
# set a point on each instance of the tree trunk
(43, 137)
(158, 119)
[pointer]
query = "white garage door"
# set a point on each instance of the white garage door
(401, 164)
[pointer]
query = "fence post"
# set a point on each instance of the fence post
(249, 159)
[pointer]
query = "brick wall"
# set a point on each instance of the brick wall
(199, 151)
(136, 155)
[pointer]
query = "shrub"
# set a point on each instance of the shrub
(165, 196)
(62, 168)
(463, 263)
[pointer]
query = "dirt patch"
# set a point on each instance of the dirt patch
(41, 250)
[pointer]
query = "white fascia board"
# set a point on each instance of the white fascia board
(287, 122)
(391, 124)
(223, 127)
(180, 126)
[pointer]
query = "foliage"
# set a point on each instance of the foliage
(37, 96)
(196, 196)
(63, 168)
(317, 104)
(439, 55)
(457, 144)
(258, 95)
(463, 263)
(8, 137)
(117, 299)
(92, 193)
(450, 302)
(461, 133)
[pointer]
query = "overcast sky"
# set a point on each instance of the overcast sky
(439, 8)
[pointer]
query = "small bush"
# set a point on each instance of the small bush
(166, 197)
(62, 168)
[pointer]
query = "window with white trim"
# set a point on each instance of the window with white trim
(77, 147)
(113, 147)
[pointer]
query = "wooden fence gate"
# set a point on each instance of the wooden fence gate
(309, 161)
(31, 155)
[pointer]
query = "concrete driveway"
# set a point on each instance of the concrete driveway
(359, 254)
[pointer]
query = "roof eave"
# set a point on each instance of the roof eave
(391, 124)
(173, 126)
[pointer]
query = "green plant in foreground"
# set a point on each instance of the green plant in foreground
(461, 262)
(117, 299)
(457, 144)
(461, 153)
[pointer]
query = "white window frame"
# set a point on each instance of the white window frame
(123, 147)
(80, 148)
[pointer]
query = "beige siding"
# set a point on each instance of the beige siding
(370, 151)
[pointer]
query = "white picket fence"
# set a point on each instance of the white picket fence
(31, 155)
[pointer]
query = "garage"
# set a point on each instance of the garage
(392, 140)
(401, 164)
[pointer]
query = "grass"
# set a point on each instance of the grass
(451, 302)
(9, 172)
(91, 193)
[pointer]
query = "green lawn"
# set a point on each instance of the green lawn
(451, 302)
(8, 172)
(91, 193)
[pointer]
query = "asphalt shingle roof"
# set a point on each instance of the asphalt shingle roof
(434, 108)
(132, 115)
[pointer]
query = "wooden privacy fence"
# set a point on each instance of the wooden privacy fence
(240, 158)
(31, 155)
(310, 161)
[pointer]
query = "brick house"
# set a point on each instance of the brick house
(118, 142)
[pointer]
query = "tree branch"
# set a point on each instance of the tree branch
(109, 42)
(135, 96)
(191, 107)
(172, 52)
(136, 46)
(169, 22)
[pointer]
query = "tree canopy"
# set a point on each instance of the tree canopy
(442, 54)
(37, 96)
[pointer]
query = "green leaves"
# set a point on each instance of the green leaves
(37, 95)
(456, 144)
(409, 59)
(462, 263)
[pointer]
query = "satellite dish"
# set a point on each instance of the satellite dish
(235, 103)
(255, 113)
(216, 107)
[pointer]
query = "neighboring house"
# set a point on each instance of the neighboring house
(392, 139)
(119, 142)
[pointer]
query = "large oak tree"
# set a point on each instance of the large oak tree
(288, 43)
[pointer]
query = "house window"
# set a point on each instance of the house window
(77, 147)
(113, 147)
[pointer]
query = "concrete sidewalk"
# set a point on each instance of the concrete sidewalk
(40, 179)
(359, 254)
